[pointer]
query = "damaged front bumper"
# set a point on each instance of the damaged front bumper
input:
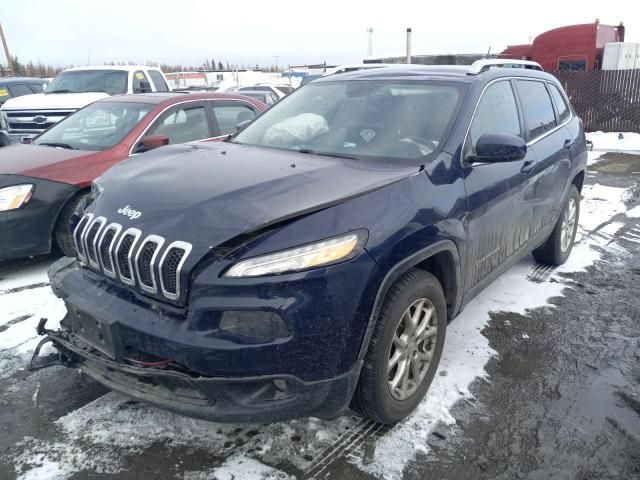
(170, 387)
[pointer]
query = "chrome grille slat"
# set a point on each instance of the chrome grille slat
(78, 235)
(170, 269)
(105, 248)
(145, 261)
(124, 255)
(90, 238)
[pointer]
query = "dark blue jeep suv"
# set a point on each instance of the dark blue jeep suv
(313, 260)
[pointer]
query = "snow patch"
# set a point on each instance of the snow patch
(611, 140)
(634, 212)
(239, 467)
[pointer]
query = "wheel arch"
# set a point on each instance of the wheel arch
(441, 259)
(578, 180)
(54, 225)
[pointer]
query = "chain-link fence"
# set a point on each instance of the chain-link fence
(606, 100)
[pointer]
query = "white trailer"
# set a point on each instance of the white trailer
(621, 56)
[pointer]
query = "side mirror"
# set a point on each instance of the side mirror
(499, 147)
(154, 141)
(242, 125)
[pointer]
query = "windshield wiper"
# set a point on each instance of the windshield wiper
(55, 144)
(326, 154)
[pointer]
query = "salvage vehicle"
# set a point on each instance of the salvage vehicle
(45, 183)
(72, 89)
(313, 260)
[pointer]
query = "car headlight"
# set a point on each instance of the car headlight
(318, 254)
(15, 196)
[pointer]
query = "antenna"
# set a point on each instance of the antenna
(370, 45)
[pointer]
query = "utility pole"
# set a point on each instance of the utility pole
(370, 45)
(408, 45)
(6, 51)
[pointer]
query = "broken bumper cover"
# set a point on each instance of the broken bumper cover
(242, 400)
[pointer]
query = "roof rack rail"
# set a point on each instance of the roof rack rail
(480, 66)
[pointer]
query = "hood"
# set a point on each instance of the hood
(34, 160)
(207, 194)
(39, 101)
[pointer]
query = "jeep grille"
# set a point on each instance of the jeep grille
(129, 257)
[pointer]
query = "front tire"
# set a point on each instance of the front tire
(63, 233)
(557, 248)
(405, 349)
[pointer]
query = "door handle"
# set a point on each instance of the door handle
(568, 143)
(527, 166)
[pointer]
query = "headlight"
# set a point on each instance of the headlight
(317, 254)
(15, 196)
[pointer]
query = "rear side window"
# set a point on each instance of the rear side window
(561, 104)
(497, 113)
(158, 81)
(230, 115)
(538, 110)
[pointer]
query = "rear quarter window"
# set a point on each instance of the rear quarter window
(561, 104)
(536, 104)
(158, 81)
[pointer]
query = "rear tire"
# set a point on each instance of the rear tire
(63, 233)
(557, 248)
(415, 347)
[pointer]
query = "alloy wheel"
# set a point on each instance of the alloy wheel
(412, 348)
(568, 224)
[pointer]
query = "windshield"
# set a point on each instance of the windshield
(98, 126)
(389, 119)
(112, 82)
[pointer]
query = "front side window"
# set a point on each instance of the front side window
(158, 81)
(183, 124)
(537, 107)
(229, 116)
(561, 104)
(113, 82)
(497, 113)
(97, 127)
(378, 119)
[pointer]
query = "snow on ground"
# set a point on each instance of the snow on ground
(25, 298)
(99, 436)
(611, 141)
(634, 212)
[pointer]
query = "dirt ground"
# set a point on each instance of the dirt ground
(560, 399)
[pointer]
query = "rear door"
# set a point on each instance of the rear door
(499, 194)
(547, 136)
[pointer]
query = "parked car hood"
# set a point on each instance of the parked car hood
(39, 101)
(207, 194)
(36, 160)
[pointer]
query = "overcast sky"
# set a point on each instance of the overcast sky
(299, 32)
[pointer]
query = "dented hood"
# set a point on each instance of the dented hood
(207, 194)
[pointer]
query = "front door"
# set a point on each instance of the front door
(499, 195)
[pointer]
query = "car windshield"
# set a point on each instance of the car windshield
(97, 127)
(112, 82)
(379, 119)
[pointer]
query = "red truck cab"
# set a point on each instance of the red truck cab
(572, 47)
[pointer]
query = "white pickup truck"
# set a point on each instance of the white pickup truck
(72, 89)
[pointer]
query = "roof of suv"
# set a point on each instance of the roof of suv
(449, 72)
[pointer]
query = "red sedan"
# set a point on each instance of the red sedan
(44, 184)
